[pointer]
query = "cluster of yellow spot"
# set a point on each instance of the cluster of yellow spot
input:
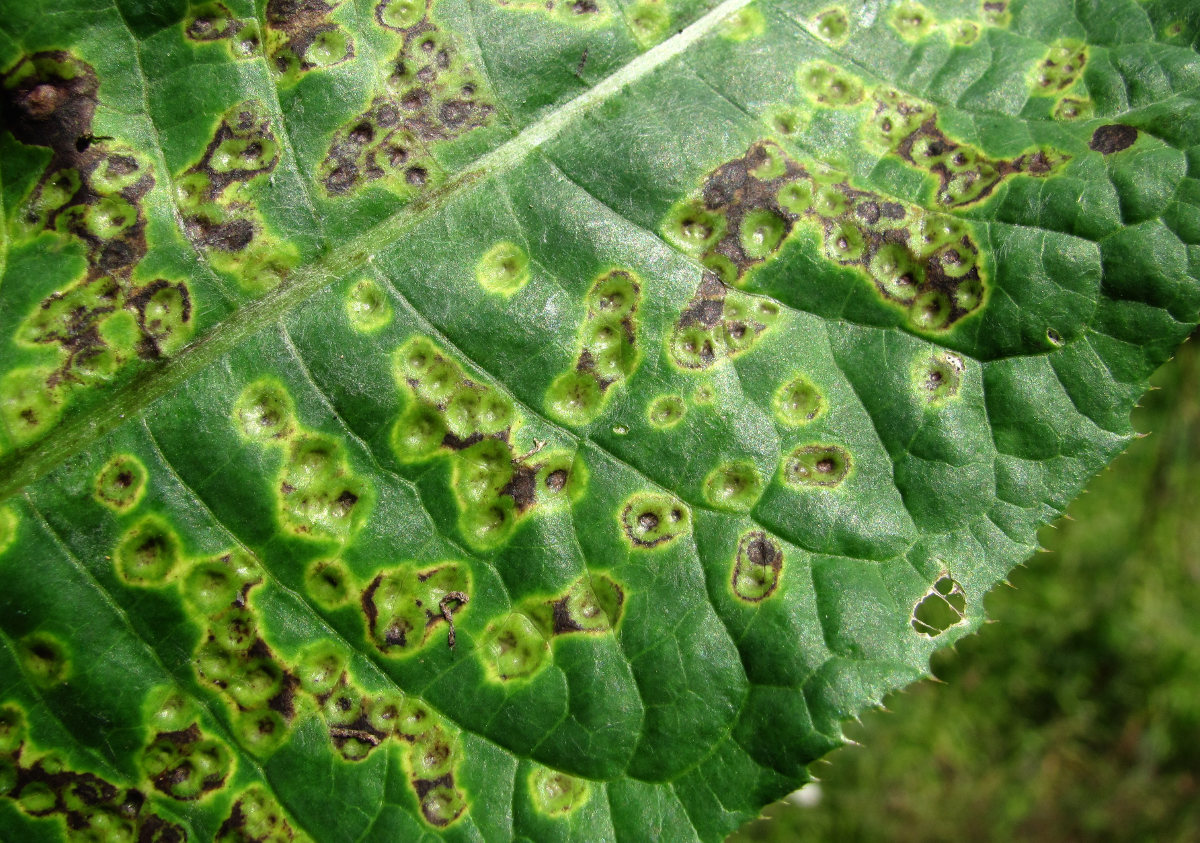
(584, 13)
(43, 785)
(214, 23)
(262, 689)
(609, 352)
(518, 645)
(212, 196)
(318, 496)
(448, 414)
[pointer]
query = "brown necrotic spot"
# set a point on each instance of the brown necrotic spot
(210, 22)
(757, 567)
(817, 466)
(556, 480)
(432, 96)
(1113, 137)
(651, 519)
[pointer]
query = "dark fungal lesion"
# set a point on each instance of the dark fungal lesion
(405, 606)
(966, 175)
(577, 12)
(718, 323)
(256, 816)
(42, 785)
(301, 37)
(185, 765)
(216, 216)
(1113, 137)
(449, 414)
(925, 263)
(93, 189)
(431, 95)
(214, 23)
(609, 351)
(757, 567)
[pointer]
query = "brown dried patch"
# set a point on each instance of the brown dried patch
(91, 796)
(49, 99)
(427, 101)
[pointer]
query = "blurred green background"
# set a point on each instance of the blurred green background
(1076, 714)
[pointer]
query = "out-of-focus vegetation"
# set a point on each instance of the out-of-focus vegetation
(1076, 714)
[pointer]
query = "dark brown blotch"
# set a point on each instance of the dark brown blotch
(1113, 137)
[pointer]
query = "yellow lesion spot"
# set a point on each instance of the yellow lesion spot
(666, 411)
(757, 567)
(368, 307)
(829, 85)
(734, 486)
(503, 269)
(9, 526)
(1073, 108)
(556, 794)
(44, 659)
(962, 33)
(121, 483)
(583, 13)
(515, 648)
(649, 21)
(149, 552)
(1060, 68)
(816, 466)
(798, 401)
(937, 376)
(744, 24)
(996, 13)
(912, 21)
(831, 25)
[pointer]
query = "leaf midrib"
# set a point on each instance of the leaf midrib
(26, 465)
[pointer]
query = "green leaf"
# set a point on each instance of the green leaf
(494, 419)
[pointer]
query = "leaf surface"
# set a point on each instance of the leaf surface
(503, 420)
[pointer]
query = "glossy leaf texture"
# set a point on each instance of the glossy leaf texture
(491, 419)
